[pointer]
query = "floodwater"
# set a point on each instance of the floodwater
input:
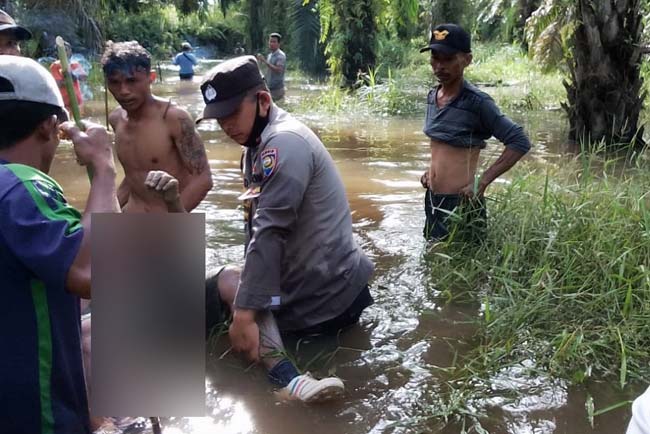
(394, 363)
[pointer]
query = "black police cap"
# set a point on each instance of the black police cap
(225, 86)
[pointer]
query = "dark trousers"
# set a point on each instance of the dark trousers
(448, 214)
(186, 76)
(218, 312)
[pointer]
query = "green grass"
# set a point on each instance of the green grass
(563, 276)
(513, 80)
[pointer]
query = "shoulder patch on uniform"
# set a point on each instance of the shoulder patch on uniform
(269, 159)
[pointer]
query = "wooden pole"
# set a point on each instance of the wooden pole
(67, 78)
(72, 96)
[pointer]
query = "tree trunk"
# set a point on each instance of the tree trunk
(276, 20)
(526, 9)
(306, 32)
(357, 35)
(604, 96)
(189, 6)
(255, 24)
(448, 11)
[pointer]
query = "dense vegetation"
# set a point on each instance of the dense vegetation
(597, 47)
(564, 277)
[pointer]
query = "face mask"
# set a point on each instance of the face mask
(258, 126)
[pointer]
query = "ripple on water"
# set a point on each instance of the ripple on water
(394, 364)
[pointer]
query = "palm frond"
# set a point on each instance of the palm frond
(548, 31)
(306, 31)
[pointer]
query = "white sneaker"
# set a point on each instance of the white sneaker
(308, 389)
(108, 428)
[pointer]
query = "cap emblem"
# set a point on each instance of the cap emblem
(440, 35)
(210, 93)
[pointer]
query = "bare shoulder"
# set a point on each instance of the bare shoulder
(187, 139)
(181, 123)
(179, 115)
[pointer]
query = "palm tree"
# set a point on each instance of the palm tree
(255, 23)
(351, 29)
(448, 11)
(604, 95)
(306, 32)
(405, 16)
(598, 44)
(83, 15)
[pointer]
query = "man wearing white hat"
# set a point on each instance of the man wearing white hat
(44, 254)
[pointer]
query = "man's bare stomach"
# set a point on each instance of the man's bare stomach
(452, 168)
(141, 199)
(137, 204)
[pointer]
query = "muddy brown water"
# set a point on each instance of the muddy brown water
(393, 363)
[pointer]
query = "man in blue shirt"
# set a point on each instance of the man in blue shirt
(187, 61)
(44, 254)
(459, 119)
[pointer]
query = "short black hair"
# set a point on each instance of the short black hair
(19, 119)
(252, 92)
(276, 36)
(125, 56)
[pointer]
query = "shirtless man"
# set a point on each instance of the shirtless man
(151, 134)
(164, 160)
(459, 120)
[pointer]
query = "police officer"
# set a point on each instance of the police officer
(303, 272)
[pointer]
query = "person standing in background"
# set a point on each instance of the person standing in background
(276, 64)
(187, 61)
(77, 72)
(239, 50)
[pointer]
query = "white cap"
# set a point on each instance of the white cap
(23, 79)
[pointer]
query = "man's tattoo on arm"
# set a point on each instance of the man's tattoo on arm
(191, 148)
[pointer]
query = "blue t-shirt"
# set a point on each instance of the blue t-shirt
(42, 388)
(186, 61)
(471, 118)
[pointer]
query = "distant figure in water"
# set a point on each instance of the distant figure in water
(239, 50)
(276, 64)
(187, 61)
(77, 72)
(459, 119)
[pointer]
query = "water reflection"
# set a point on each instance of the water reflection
(394, 362)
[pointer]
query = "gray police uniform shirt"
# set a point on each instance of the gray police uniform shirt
(302, 261)
(471, 118)
(275, 80)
